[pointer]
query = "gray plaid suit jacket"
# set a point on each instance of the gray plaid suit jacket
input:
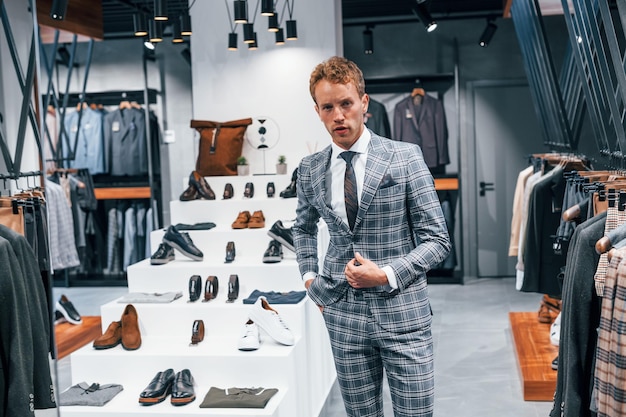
(399, 223)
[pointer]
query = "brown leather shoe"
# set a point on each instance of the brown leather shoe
(191, 193)
(257, 220)
(204, 189)
(242, 220)
(131, 337)
(110, 338)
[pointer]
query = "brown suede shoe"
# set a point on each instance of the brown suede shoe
(110, 338)
(131, 338)
(190, 194)
(242, 220)
(257, 220)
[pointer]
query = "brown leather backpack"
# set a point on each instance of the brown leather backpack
(221, 144)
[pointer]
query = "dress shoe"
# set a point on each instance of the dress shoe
(203, 187)
(241, 222)
(158, 389)
(163, 255)
(257, 220)
(230, 252)
(250, 338)
(131, 337)
(182, 389)
(282, 234)
(195, 288)
(290, 191)
(190, 194)
(273, 253)
(228, 191)
(65, 306)
(110, 338)
(197, 332)
(269, 320)
(183, 243)
(248, 192)
(271, 189)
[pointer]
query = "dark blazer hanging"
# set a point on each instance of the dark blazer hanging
(423, 124)
(125, 141)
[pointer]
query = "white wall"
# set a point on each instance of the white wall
(272, 81)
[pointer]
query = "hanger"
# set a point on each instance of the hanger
(418, 91)
(125, 104)
(79, 107)
(135, 105)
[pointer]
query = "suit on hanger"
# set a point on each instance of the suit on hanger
(425, 125)
(376, 118)
(125, 142)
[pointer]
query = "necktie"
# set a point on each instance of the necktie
(349, 188)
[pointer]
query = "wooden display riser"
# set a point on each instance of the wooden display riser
(535, 354)
(71, 337)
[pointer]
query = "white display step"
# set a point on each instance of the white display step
(126, 404)
(171, 323)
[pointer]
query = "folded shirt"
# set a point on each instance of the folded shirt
(238, 397)
(92, 395)
(144, 297)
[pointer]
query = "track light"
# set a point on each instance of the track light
(185, 24)
(267, 8)
(156, 31)
(487, 34)
(149, 45)
(140, 23)
(424, 16)
(272, 23)
(58, 9)
(368, 41)
(248, 33)
(292, 30)
(241, 11)
(160, 9)
(280, 36)
(232, 41)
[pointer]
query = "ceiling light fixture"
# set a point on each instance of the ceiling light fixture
(140, 23)
(160, 10)
(177, 36)
(241, 11)
(368, 41)
(272, 23)
(424, 16)
(149, 45)
(156, 31)
(58, 9)
(280, 36)
(488, 33)
(267, 8)
(232, 41)
(292, 27)
(185, 24)
(248, 33)
(253, 46)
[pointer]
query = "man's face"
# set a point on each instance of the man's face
(341, 110)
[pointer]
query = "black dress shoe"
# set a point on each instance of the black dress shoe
(195, 288)
(163, 255)
(271, 189)
(230, 252)
(158, 389)
(203, 187)
(65, 306)
(249, 190)
(228, 191)
(273, 253)
(290, 191)
(182, 391)
(282, 234)
(183, 243)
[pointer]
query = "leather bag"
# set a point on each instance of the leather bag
(220, 146)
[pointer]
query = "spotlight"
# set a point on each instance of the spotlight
(156, 32)
(241, 11)
(58, 9)
(280, 36)
(487, 34)
(64, 56)
(140, 22)
(368, 41)
(177, 36)
(267, 8)
(292, 30)
(272, 23)
(248, 33)
(149, 45)
(160, 9)
(185, 25)
(424, 16)
(232, 41)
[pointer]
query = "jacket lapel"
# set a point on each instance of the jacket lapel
(318, 183)
(378, 161)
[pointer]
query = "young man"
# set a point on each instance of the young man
(384, 236)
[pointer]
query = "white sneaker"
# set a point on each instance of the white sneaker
(269, 320)
(555, 330)
(250, 338)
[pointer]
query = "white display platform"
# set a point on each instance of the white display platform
(303, 373)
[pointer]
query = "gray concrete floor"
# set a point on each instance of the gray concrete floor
(476, 373)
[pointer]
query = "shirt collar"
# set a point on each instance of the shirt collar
(360, 146)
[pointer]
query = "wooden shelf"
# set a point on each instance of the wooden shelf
(443, 184)
(535, 354)
(71, 337)
(116, 193)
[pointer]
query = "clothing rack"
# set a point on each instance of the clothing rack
(112, 98)
(404, 84)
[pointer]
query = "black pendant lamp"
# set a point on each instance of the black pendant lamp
(160, 10)
(241, 11)
(185, 24)
(140, 23)
(280, 36)
(292, 30)
(267, 7)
